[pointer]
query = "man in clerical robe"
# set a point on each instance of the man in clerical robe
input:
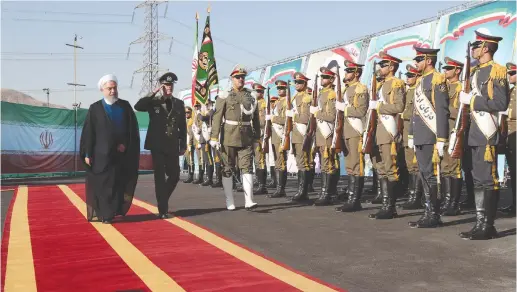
(110, 149)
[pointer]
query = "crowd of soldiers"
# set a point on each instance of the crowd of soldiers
(411, 152)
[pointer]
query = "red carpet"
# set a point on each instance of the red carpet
(71, 254)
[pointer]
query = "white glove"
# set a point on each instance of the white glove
(505, 112)
(268, 117)
(441, 147)
(373, 104)
(289, 113)
(223, 94)
(313, 109)
(465, 98)
(198, 146)
(410, 143)
(340, 106)
(215, 144)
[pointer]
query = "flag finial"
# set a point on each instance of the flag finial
(197, 16)
(208, 9)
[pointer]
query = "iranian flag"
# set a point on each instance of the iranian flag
(194, 64)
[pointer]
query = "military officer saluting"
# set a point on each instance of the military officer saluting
(415, 183)
(240, 131)
(355, 106)
(510, 140)
(278, 119)
(429, 131)
(189, 153)
(325, 114)
(301, 114)
(260, 157)
(488, 97)
(388, 136)
(166, 137)
(451, 167)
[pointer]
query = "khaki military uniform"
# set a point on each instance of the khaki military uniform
(260, 157)
(409, 153)
(451, 167)
(356, 95)
(189, 153)
(301, 104)
(385, 156)
(329, 160)
(510, 142)
(198, 144)
(278, 121)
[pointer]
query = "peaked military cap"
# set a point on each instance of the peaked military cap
(273, 98)
(484, 35)
(309, 90)
(452, 64)
(280, 83)
(425, 52)
(411, 71)
(258, 86)
(188, 109)
(385, 57)
(300, 76)
(238, 70)
(168, 78)
(510, 67)
(328, 72)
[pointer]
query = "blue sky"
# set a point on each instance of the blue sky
(34, 34)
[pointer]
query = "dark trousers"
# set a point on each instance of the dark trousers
(484, 172)
(165, 164)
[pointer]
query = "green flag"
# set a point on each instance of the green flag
(206, 76)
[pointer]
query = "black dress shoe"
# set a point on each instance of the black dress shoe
(164, 216)
(107, 221)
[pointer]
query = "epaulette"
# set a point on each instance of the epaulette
(498, 72)
(190, 122)
(332, 95)
(262, 103)
(360, 88)
(438, 78)
(307, 98)
(397, 83)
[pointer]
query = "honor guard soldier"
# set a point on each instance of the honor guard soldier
(376, 189)
(215, 152)
(239, 132)
(260, 157)
(300, 113)
(325, 114)
(271, 157)
(355, 106)
(452, 182)
(415, 183)
(429, 132)
(510, 137)
(206, 128)
(312, 164)
(199, 143)
(488, 97)
(278, 119)
(189, 153)
(388, 135)
(166, 137)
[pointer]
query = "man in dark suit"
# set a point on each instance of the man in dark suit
(166, 137)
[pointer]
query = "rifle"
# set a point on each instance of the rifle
(338, 138)
(288, 126)
(371, 123)
(267, 130)
(458, 133)
(309, 137)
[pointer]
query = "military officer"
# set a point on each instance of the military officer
(278, 119)
(189, 153)
(271, 157)
(312, 164)
(199, 143)
(429, 132)
(415, 183)
(488, 97)
(240, 131)
(325, 114)
(166, 137)
(355, 106)
(452, 180)
(510, 140)
(216, 155)
(388, 136)
(300, 113)
(260, 157)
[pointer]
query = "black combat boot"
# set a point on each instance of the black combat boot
(417, 190)
(454, 208)
(446, 193)
(431, 217)
(355, 191)
(310, 180)
(411, 191)
(487, 230)
(261, 178)
(377, 189)
(272, 184)
(200, 176)
(190, 177)
(209, 176)
(479, 195)
(218, 177)
(344, 194)
(388, 210)
(302, 195)
(325, 196)
(470, 202)
(282, 180)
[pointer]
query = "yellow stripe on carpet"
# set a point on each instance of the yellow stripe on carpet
(292, 278)
(19, 268)
(151, 275)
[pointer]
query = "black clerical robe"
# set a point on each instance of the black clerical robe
(111, 179)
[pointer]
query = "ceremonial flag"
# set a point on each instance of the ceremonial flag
(194, 65)
(206, 76)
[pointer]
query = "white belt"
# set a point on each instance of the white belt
(235, 123)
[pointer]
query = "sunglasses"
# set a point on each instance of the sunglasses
(325, 77)
(350, 70)
(419, 59)
(281, 87)
(239, 77)
(299, 82)
(383, 65)
(259, 91)
(410, 75)
(511, 73)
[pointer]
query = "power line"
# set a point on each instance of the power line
(72, 21)
(65, 12)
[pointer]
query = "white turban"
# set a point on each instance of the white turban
(105, 79)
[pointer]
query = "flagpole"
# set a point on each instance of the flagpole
(195, 61)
